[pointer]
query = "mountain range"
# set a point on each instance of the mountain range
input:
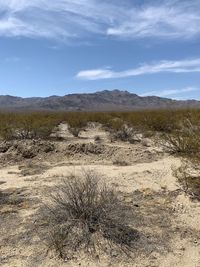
(100, 101)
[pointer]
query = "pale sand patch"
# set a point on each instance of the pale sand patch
(185, 254)
(155, 175)
(10, 177)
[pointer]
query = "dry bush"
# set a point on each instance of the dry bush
(42, 124)
(100, 117)
(116, 124)
(7, 126)
(125, 134)
(160, 121)
(86, 215)
(189, 177)
(76, 123)
(38, 125)
(185, 140)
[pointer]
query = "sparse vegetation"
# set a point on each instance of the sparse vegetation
(85, 214)
(125, 134)
(76, 123)
(178, 128)
(189, 180)
(27, 125)
(185, 140)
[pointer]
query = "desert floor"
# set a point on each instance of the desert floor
(165, 216)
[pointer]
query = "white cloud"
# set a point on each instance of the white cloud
(64, 19)
(182, 66)
(58, 19)
(171, 92)
(95, 74)
(172, 19)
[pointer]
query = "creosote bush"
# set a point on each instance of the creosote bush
(27, 125)
(41, 125)
(185, 140)
(125, 134)
(86, 215)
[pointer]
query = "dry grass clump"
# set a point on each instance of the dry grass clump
(86, 215)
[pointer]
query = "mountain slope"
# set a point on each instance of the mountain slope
(99, 101)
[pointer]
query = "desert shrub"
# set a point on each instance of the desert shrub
(160, 121)
(125, 134)
(100, 117)
(7, 126)
(39, 126)
(84, 215)
(27, 125)
(6, 132)
(185, 140)
(116, 124)
(31, 125)
(76, 122)
(189, 181)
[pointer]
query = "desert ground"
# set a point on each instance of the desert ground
(143, 173)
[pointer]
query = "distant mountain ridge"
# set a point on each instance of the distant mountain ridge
(100, 101)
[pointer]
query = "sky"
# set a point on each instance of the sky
(148, 47)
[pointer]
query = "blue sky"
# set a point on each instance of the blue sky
(74, 46)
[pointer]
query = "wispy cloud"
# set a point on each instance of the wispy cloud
(171, 92)
(171, 19)
(182, 66)
(65, 19)
(60, 19)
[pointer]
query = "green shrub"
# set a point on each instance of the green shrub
(41, 124)
(27, 125)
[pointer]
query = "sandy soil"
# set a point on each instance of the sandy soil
(166, 217)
